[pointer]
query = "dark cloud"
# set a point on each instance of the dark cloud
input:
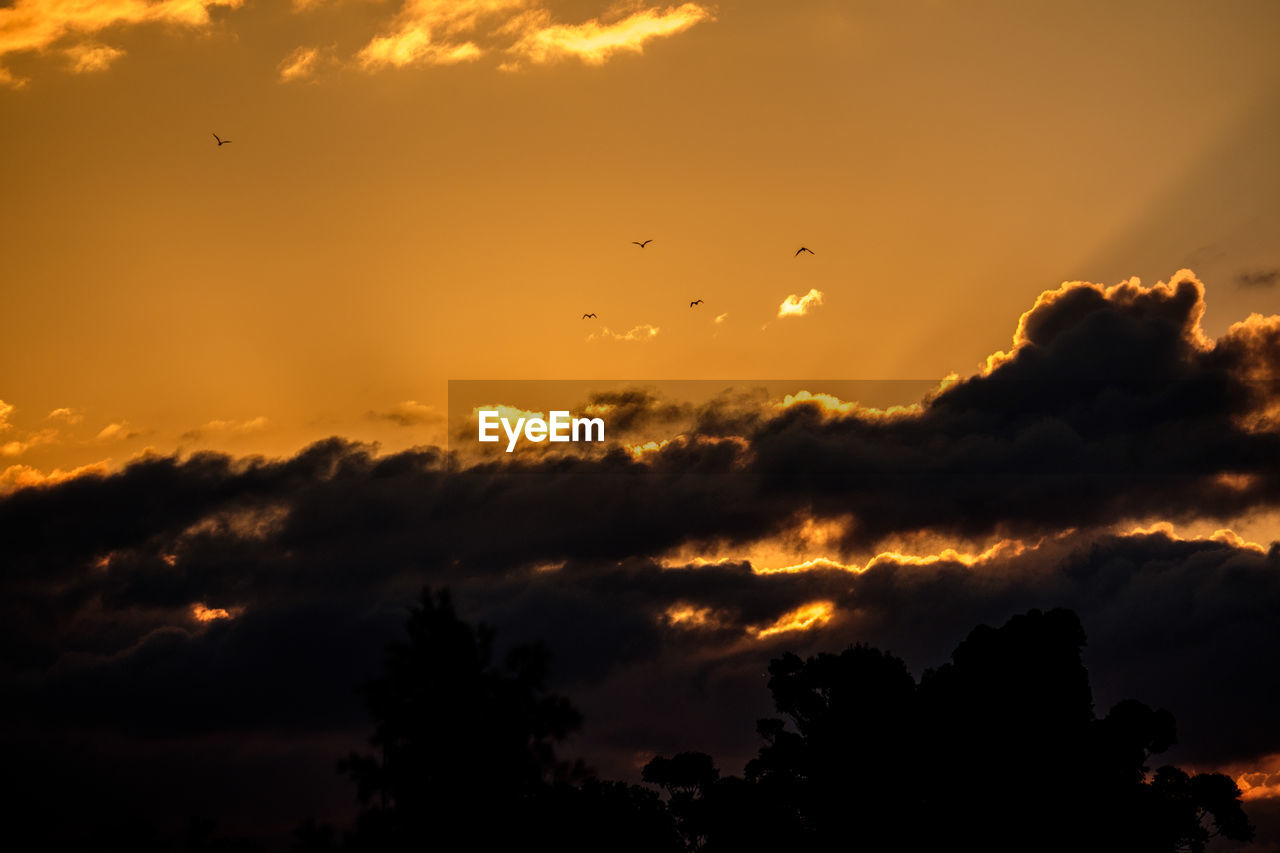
(1182, 624)
(1110, 407)
(634, 409)
(1258, 278)
(1185, 624)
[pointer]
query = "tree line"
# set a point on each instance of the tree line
(998, 749)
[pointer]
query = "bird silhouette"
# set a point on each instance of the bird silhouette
(585, 316)
(803, 249)
(695, 302)
(221, 142)
(642, 245)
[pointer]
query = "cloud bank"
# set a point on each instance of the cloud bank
(140, 607)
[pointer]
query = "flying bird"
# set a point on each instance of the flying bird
(585, 316)
(642, 245)
(695, 302)
(803, 249)
(221, 142)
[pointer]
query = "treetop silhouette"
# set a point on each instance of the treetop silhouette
(998, 749)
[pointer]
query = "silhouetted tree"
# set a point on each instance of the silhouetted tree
(596, 815)
(462, 747)
(845, 762)
(997, 750)
(687, 778)
(1007, 734)
(464, 756)
(721, 814)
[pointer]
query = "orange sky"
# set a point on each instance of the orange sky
(429, 191)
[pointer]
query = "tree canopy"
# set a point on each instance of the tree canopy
(999, 749)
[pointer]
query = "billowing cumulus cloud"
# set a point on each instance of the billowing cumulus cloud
(798, 306)
(1065, 459)
(1112, 406)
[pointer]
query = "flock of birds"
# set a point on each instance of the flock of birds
(696, 302)
(641, 243)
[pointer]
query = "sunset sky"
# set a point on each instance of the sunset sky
(446, 187)
(422, 192)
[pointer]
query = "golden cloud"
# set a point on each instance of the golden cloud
(798, 306)
(445, 32)
(813, 615)
(116, 432)
(66, 415)
(1258, 778)
(688, 616)
(408, 413)
(23, 476)
(1223, 535)
(87, 58)
(224, 427)
(39, 25)
(636, 333)
(427, 33)
(831, 406)
(299, 65)
(594, 42)
(19, 447)
(640, 451)
(208, 614)
(511, 413)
